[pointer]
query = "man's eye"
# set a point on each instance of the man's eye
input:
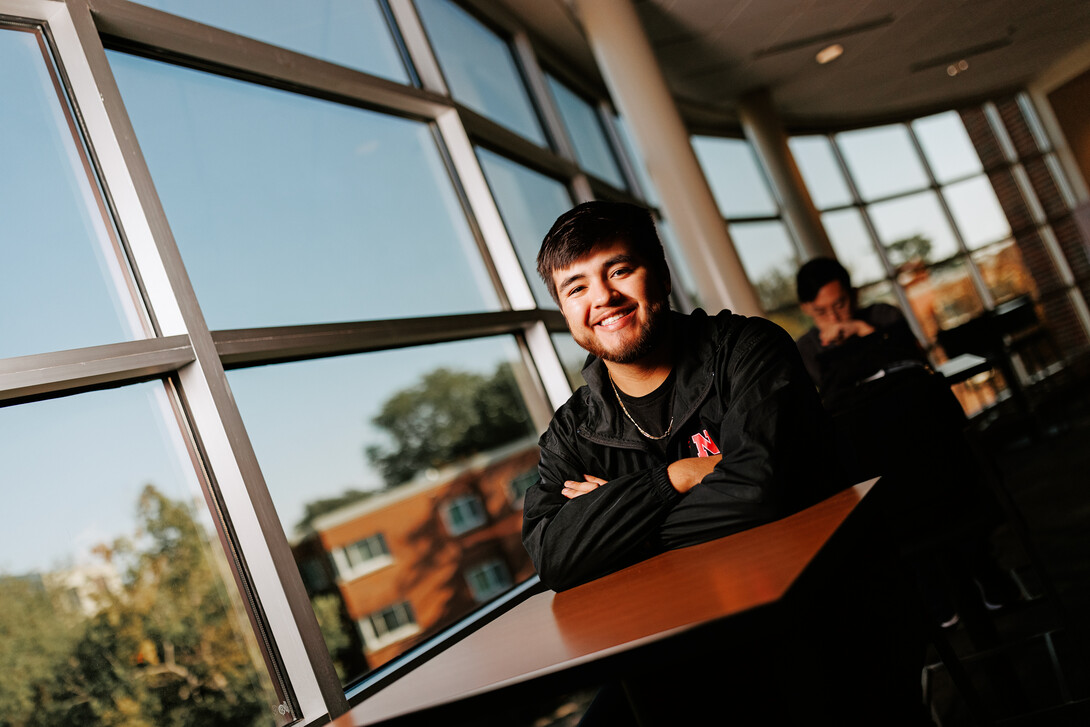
(574, 290)
(621, 272)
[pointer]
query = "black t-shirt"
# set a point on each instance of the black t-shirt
(652, 412)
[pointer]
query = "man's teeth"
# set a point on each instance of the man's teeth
(611, 319)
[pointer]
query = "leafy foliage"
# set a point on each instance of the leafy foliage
(162, 650)
(447, 416)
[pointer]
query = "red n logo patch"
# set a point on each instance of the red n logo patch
(705, 447)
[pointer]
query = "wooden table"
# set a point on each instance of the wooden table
(651, 602)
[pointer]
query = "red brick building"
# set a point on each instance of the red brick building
(411, 560)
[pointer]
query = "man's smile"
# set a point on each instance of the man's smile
(615, 320)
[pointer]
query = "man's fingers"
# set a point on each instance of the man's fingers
(573, 488)
(595, 480)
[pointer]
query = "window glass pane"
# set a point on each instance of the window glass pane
(639, 166)
(947, 146)
(977, 212)
(529, 204)
(1004, 272)
(820, 171)
(882, 161)
(914, 228)
(880, 292)
(769, 259)
(941, 296)
(479, 67)
(737, 182)
(59, 272)
(586, 133)
(386, 442)
(853, 245)
(679, 265)
(290, 210)
(351, 33)
(572, 358)
(118, 599)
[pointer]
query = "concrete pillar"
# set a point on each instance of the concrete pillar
(762, 127)
(639, 89)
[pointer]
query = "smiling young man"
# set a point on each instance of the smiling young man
(690, 427)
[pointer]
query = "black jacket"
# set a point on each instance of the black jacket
(740, 390)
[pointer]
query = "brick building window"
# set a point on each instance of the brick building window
(462, 514)
(388, 626)
(488, 579)
(362, 557)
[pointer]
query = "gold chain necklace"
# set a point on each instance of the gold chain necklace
(665, 434)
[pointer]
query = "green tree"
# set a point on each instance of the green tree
(908, 249)
(36, 634)
(448, 415)
(164, 650)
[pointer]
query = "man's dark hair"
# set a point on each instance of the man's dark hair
(578, 231)
(816, 274)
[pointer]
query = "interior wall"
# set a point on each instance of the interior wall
(1071, 107)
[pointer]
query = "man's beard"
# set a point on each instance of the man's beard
(645, 341)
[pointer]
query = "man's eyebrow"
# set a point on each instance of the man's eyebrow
(569, 280)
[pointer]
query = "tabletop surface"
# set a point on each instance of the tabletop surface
(646, 602)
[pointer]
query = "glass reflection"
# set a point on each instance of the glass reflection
(289, 210)
(914, 229)
(820, 171)
(529, 203)
(585, 130)
(736, 180)
(769, 260)
(394, 475)
(1004, 272)
(61, 283)
(941, 296)
(351, 33)
(947, 146)
(479, 67)
(882, 161)
(118, 601)
(976, 212)
(572, 357)
(853, 245)
(639, 166)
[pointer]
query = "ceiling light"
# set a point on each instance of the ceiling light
(955, 68)
(829, 53)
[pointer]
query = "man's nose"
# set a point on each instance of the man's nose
(602, 293)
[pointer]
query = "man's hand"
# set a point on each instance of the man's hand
(573, 489)
(685, 474)
(840, 332)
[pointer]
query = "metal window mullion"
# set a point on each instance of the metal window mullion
(43, 374)
(498, 244)
(620, 153)
(233, 470)
(416, 42)
(543, 100)
(188, 42)
(891, 273)
(974, 272)
(258, 346)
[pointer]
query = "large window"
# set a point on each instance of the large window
(480, 68)
(912, 215)
(118, 600)
(353, 34)
(290, 210)
(763, 242)
(62, 279)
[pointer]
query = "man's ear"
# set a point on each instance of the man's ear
(808, 309)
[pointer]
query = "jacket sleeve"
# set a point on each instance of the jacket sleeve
(577, 540)
(774, 436)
